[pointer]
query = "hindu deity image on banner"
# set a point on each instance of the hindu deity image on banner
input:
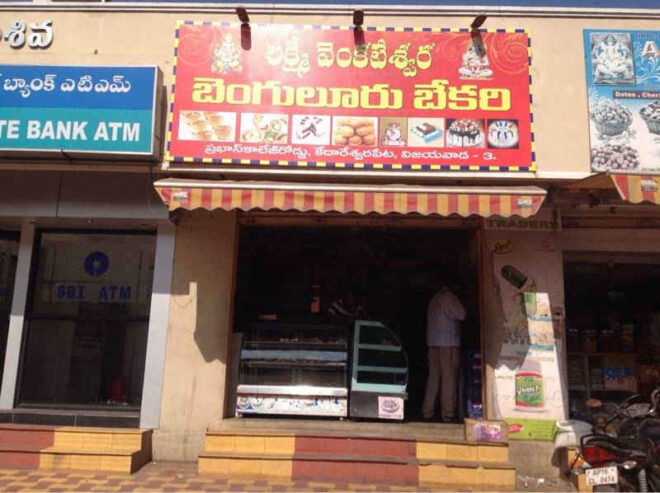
(313, 96)
(623, 81)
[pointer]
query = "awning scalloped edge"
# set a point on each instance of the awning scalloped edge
(443, 201)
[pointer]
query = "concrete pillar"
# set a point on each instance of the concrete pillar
(17, 317)
(199, 333)
(152, 389)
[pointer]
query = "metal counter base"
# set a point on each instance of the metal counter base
(292, 401)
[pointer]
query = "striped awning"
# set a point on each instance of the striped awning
(362, 199)
(633, 188)
(638, 188)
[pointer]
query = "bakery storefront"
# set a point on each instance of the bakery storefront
(336, 226)
(292, 266)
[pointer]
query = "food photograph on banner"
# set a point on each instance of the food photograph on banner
(316, 96)
(623, 80)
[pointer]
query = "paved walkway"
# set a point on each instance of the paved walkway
(162, 476)
(182, 476)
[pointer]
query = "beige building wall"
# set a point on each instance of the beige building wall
(199, 332)
(561, 122)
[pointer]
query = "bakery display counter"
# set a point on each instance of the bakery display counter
(303, 369)
(379, 374)
(293, 369)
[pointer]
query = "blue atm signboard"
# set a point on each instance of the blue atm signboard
(79, 111)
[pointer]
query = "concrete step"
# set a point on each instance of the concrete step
(102, 449)
(361, 468)
(358, 454)
(273, 442)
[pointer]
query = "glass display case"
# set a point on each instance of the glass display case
(379, 375)
(293, 369)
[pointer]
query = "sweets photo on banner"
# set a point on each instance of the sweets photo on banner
(308, 96)
(623, 84)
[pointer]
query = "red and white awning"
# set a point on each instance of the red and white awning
(633, 188)
(361, 199)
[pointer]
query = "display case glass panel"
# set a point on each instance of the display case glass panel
(293, 369)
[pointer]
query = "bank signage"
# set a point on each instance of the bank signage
(382, 99)
(623, 80)
(96, 286)
(69, 110)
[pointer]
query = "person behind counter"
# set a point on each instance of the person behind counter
(443, 336)
(346, 308)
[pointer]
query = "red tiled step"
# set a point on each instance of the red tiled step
(27, 435)
(356, 468)
(359, 468)
(61, 447)
(354, 445)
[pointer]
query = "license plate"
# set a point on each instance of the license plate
(602, 475)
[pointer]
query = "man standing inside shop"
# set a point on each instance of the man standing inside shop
(443, 337)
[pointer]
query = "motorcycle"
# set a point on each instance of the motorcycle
(623, 453)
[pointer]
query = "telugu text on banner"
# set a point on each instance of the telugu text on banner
(388, 99)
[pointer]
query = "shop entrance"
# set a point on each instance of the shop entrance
(613, 326)
(295, 274)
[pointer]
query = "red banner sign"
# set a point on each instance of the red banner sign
(386, 99)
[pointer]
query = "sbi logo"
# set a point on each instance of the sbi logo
(96, 264)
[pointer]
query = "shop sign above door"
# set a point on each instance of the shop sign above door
(623, 80)
(415, 99)
(70, 111)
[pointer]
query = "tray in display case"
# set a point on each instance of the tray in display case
(293, 369)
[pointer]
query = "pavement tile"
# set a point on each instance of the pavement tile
(55, 480)
(171, 477)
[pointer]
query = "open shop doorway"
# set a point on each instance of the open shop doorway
(294, 275)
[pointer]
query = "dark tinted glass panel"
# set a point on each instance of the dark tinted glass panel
(88, 324)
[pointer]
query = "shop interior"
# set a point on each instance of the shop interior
(294, 274)
(612, 326)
